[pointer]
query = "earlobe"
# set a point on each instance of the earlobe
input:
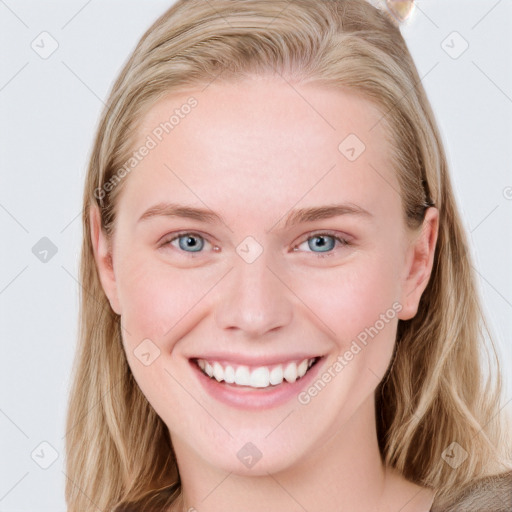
(420, 260)
(103, 258)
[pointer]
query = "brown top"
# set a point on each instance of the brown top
(491, 494)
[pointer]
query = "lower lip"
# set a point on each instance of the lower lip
(245, 397)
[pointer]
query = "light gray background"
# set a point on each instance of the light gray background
(49, 109)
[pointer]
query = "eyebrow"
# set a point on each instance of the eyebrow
(297, 216)
(178, 210)
(324, 212)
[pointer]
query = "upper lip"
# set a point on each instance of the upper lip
(244, 360)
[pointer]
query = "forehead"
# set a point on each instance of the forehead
(263, 139)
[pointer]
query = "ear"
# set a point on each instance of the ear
(419, 262)
(103, 257)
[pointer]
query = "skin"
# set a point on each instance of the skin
(251, 152)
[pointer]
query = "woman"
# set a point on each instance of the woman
(278, 307)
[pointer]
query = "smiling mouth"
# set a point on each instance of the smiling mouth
(256, 377)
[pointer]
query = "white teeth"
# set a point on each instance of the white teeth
(276, 375)
(229, 375)
(261, 377)
(218, 372)
(302, 368)
(290, 372)
(242, 376)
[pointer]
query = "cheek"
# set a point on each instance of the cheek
(350, 298)
(160, 304)
(156, 299)
(358, 306)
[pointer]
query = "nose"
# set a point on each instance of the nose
(254, 299)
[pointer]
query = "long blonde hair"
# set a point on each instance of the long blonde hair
(437, 389)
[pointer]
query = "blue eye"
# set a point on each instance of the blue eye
(189, 242)
(323, 243)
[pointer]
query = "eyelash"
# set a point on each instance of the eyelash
(341, 242)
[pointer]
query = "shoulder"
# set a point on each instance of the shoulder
(493, 493)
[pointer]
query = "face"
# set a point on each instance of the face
(262, 243)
